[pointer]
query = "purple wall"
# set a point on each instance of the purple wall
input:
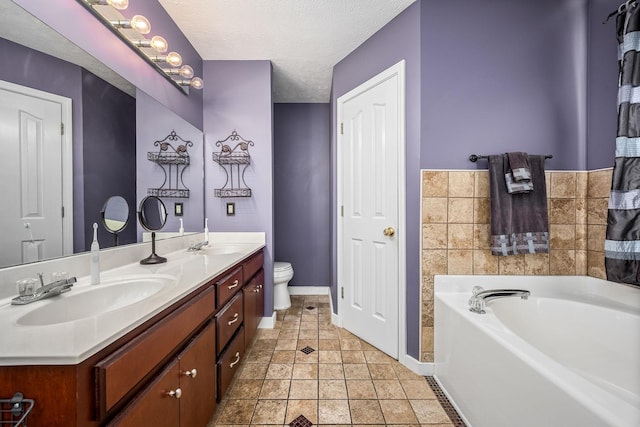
(302, 195)
(602, 81)
(109, 132)
(154, 123)
(398, 40)
(75, 22)
(503, 75)
(237, 96)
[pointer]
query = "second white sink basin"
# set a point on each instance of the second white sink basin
(93, 300)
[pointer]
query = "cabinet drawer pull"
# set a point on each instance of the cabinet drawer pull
(256, 290)
(177, 393)
(235, 285)
(192, 373)
(234, 320)
(235, 362)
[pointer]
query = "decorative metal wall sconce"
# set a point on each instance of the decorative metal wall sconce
(132, 31)
(173, 161)
(234, 161)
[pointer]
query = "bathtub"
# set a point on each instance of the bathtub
(567, 356)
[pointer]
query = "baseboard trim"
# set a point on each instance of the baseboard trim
(420, 368)
(268, 322)
(309, 290)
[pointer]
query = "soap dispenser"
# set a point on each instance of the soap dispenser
(95, 257)
(206, 230)
(181, 229)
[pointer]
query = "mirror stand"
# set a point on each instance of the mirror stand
(153, 258)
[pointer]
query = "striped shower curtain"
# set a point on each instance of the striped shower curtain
(622, 245)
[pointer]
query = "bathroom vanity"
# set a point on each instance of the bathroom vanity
(165, 360)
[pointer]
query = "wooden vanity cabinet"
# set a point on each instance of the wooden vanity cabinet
(253, 306)
(183, 394)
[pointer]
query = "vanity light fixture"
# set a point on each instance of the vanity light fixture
(196, 83)
(132, 32)
(138, 23)
(116, 4)
(158, 43)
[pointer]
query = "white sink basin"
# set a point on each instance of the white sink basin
(93, 300)
(222, 250)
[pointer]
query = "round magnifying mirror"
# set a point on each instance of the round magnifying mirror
(115, 215)
(152, 215)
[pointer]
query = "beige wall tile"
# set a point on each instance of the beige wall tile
(563, 185)
(434, 262)
(434, 236)
(581, 263)
(511, 265)
(460, 262)
(481, 210)
(536, 264)
(562, 236)
(581, 211)
(595, 264)
(547, 182)
(434, 209)
(481, 184)
(562, 262)
(581, 236)
(597, 210)
(596, 237)
(435, 183)
(460, 236)
(599, 183)
(562, 211)
(481, 236)
(427, 339)
(427, 313)
(582, 183)
(461, 183)
(484, 262)
(460, 210)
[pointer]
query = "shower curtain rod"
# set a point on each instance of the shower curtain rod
(620, 9)
(474, 157)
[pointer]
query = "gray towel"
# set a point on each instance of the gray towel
(518, 177)
(519, 222)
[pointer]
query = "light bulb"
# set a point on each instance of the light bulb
(140, 24)
(186, 71)
(174, 59)
(196, 83)
(159, 44)
(118, 4)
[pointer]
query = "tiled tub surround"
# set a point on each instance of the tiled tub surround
(337, 380)
(456, 229)
(523, 364)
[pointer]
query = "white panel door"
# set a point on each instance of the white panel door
(369, 180)
(31, 174)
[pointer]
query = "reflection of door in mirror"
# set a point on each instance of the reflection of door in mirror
(31, 170)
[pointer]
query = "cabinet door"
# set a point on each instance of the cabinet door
(253, 306)
(154, 406)
(198, 379)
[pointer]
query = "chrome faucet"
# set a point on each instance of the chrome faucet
(197, 246)
(45, 291)
(481, 297)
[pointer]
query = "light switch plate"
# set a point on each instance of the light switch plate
(178, 209)
(231, 209)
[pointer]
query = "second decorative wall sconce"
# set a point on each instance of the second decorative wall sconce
(153, 50)
(173, 161)
(234, 161)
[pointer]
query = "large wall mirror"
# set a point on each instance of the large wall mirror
(51, 90)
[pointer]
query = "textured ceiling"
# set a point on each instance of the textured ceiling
(304, 39)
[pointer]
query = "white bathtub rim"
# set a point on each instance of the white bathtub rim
(611, 408)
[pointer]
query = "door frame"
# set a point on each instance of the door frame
(398, 70)
(66, 140)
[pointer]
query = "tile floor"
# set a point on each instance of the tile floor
(308, 367)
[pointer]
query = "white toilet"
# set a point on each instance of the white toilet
(282, 273)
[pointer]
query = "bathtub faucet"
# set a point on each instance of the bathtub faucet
(480, 297)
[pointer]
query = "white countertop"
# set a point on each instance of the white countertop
(74, 341)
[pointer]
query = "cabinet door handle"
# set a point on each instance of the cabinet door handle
(177, 393)
(235, 362)
(234, 320)
(192, 373)
(235, 285)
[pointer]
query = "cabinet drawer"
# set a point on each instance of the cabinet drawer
(228, 286)
(120, 372)
(229, 320)
(252, 266)
(229, 362)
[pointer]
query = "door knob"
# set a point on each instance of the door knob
(389, 232)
